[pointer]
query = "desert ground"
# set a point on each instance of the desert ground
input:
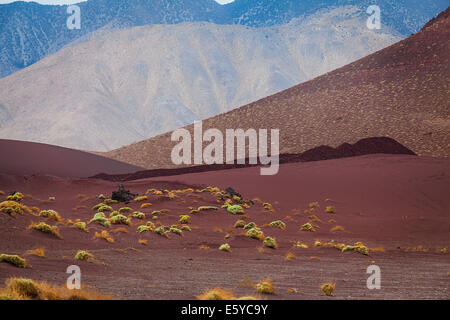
(396, 205)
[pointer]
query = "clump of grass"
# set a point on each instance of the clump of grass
(239, 224)
(102, 207)
(204, 247)
(225, 247)
(13, 259)
(314, 218)
(250, 225)
(104, 235)
(140, 198)
(330, 209)
(203, 208)
(299, 244)
(176, 231)
(125, 210)
(83, 255)
(146, 205)
(25, 289)
(278, 224)
(235, 209)
(110, 201)
(50, 214)
(184, 219)
(13, 207)
(120, 219)
(358, 247)
(143, 241)
(267, 206)
(161, 230)
(101, 196)
(17, 197)
(328, 288)
(270, 242)
(313, 205)
(81, 225)
(265, 286)
(307, 227)
(290, 256)
(337, 228)
(45, 228)
(119, 229)
(100, 218)
(216, 294)
(185, 228)
(39, 252)
(114, 213)
(255, 233)
(52, 199)
(139, 215)
(144, 228)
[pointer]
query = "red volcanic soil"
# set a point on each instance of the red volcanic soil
(362, 147)
(398, 202)
(26, 158)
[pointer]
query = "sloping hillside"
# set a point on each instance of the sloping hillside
(400, 92)
(130, 85)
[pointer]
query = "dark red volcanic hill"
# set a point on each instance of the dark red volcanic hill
(362, 147)
(27, 158)
(399, 92)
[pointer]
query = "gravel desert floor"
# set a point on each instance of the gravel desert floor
(397, 206)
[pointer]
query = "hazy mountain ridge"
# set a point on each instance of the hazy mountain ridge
(30, 31)
(133, 84)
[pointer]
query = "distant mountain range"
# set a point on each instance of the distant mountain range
(30, 31)
(129, 85)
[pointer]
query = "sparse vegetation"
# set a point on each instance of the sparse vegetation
(330, 209)
(225, 247)
(290, 256)
(81, 225)
(13, 207)
(140, 198)
(337, 228)
(100, 218)
(120, 219)
(216, 294)
(328, 288)
(270, 242)
(278, 224)
(184, 219)
(307, 227)
(50, 214)
(25, 289)
(125, 210)
(265, 286)
(255, 233)
(235, 209)
(176, 231)
(83, 255)
(250, 225)
(13, 259)
(17, 197)
(45, 228)
(104, 235)
(239, 224)
(39, 252)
